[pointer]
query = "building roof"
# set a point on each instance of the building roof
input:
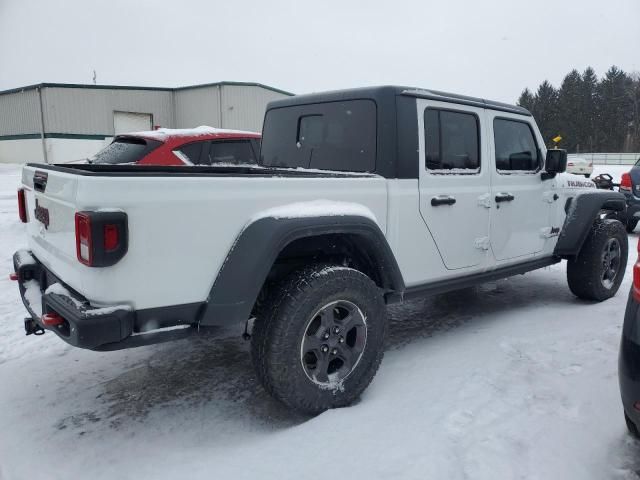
(133, 87)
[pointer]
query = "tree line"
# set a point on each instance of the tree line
(590, 114)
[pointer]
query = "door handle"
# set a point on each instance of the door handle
(442, 200)
(504, 197)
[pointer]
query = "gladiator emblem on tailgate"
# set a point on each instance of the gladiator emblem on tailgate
(42, 214)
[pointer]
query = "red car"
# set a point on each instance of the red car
(197, 146)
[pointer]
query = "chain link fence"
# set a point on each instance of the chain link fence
(608, 158)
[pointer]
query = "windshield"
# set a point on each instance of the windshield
(125, 150)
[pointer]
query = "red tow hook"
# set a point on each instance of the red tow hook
(13, 277)
(52, 320)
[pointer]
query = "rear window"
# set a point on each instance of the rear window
(125, 150)
(326, 136)
(192, 151)
(231, 153)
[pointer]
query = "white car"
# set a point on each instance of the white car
(579, 166)
(363, 198)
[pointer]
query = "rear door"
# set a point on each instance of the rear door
(522, 200)
(454, 182)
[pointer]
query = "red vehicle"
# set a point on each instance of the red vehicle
(197, 146)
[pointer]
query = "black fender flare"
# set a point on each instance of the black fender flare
(582, 210)
(257, 247)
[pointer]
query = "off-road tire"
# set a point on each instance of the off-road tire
(278, 334)
(631, 224)
(631, 427)
(584, 272)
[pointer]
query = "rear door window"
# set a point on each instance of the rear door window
(125, 150)
(231, 153)
(192, 151)
(451, 141)
(327, 136)
(516, 147)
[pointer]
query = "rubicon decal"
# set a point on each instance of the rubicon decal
(42, 214)
(579, 184)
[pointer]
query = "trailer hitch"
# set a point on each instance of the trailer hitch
(31, 327)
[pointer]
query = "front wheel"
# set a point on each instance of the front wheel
(632, 223)
(320, 339)
(597, 271)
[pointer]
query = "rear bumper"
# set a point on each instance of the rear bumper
(84, 326)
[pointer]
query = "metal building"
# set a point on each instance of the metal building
(56, 123)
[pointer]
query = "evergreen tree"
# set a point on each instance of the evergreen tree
(589, 116)
(527, 100)
(545, 111)
(569, 111)
(615, 108)
(634, 144)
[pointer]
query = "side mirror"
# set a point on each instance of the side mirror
(556, 161)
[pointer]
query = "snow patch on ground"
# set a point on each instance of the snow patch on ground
(615, 171)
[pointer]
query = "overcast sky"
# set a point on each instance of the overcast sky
(487, 48)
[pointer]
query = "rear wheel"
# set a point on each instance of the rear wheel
(633, 429)
(320, 339)
(598, 270)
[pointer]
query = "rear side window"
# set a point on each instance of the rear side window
(451, 141)
(231, 153)
(192, 151)
(516, 148)
(125, 150)
(326, 136)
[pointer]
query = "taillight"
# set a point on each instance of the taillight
(110, 234)
(22, 205)
(101, 238)
(84, 239)
(625, 182)
(636, 277)
(570, 164)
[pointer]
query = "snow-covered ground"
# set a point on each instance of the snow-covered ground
(514, 379)
(615, 171)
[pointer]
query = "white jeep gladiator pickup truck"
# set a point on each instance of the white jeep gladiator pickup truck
(362, 198)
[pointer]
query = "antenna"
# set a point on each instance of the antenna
(94, 76)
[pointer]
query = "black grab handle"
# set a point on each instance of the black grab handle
(506, 197)
(444, 200)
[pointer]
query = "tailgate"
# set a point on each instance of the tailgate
(51, 208)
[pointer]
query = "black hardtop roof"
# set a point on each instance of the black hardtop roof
(382, 93)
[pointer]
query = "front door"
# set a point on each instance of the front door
(454, 182)
(522, 199)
